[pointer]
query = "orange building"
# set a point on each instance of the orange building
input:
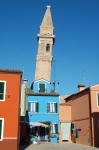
(65, 123)
(84, 116)
(10, 87)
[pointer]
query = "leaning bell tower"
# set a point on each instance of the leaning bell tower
(46, 40)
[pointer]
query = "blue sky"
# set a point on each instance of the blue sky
(76, 49)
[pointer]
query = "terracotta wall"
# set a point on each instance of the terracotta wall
(80, 116)
(80, 106)
(83, 132)
(9, 109)
(93, 94)
(11, 144)
(95, 115)
(65, 113)
(64, 116)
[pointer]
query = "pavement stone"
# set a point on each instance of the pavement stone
(57, 146)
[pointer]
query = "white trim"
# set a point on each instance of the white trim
(32, 101)
(12, 138)
(94, 86)
(33, 106)
(41, 80)
(51, 102)
(4, 89)
(2, 129)
(52, 107)
(97, 98)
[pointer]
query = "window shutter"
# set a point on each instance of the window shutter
(1, 90)
(56, 127)
(48, 107)
(56, 107)
(0, 128)
(37, 106)
(29, 104)
(42, 87)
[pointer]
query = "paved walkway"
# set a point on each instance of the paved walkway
(58, 146)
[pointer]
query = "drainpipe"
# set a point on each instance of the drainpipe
(90, 113)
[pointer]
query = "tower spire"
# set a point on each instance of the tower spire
(47, 20)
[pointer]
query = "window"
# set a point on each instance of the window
(2, 90)
(41, 87)
(97, 99)
(52, 107)
(33, 107)
(1, 128)
(48, 47)
(54, 128)
(73, 130)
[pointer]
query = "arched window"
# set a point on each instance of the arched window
(48, 47)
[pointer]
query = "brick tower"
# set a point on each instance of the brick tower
(46, 40)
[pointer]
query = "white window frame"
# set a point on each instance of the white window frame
(97, 99)
(2, 129)
(53, 110)
(4, 90)
(53, 128)
(35, 106)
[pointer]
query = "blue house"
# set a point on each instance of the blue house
(42, 99)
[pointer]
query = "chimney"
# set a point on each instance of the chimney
(25, 81)
(81, 87)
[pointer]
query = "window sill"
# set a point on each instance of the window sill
(33, 112)
(52, 113)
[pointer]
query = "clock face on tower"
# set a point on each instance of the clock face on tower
(47, 47)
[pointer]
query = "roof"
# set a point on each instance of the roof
(10, 70)
(77, 93)
(30, 92)
(64, 104)
(47, 20)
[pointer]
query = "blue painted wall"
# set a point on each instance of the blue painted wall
(36, 86)
(42, 115)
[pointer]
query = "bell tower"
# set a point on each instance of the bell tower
(46, 40)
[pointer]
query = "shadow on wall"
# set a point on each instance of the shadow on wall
(24, 139)
(22, 147)
(27, 116)
(95, 116)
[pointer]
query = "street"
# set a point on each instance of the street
(57, 146)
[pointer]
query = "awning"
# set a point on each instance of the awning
(37, 124)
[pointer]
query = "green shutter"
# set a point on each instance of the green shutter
(37, 107)
(0, 128)
(48, 107)
(1, 90)
(29, 104)
(42, 87)
(56, 107)
(56, 128)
